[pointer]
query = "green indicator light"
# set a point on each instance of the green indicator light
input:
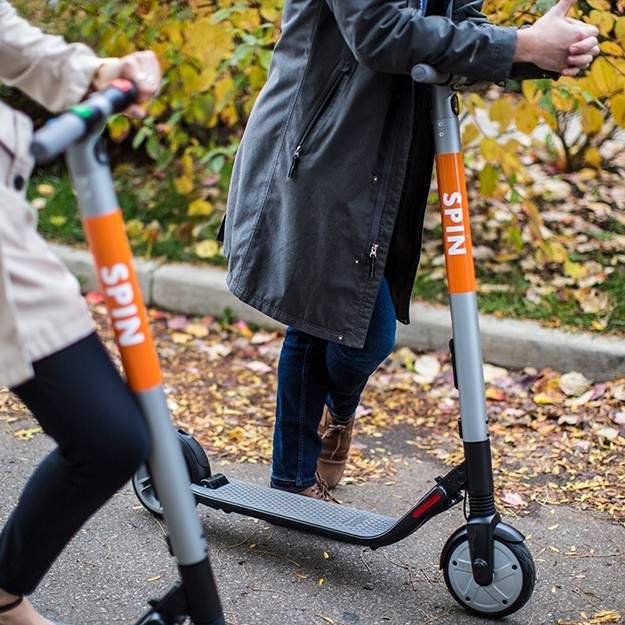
(82, 111)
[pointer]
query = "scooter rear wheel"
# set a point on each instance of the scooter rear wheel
(144, 490)
(512, 585)
(197, 465)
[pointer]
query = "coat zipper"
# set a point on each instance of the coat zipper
(318, 112)
(380, 199)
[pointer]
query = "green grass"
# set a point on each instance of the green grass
(155, 213)
(559, 309)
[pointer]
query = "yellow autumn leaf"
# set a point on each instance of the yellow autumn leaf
(526, 117)
(209, 43)
(119, 128)
(617, 108)
(183, 185)
(574, 270)
(603, 20)
(593, 158)
(495, 394)
(26, 434)
(547, 398)
(502, 111)
(601, 5)
(592, 120)
(550, 119)
(605, 76)
(611, 48)
(530, 90)
(556, 252)
(134, 227)
(470, 133)
(206, 249)
(189, 76)
(174, 33)
(247, 19)
(605, 616)
(58, 220)
(511, 164)
(488, 181)
(619, 29)
(46, 190)
(200, 208)
(563, 100)
(179, 338)
(490, 149)
(225, 95)
(257, 76)
(475, 101)
(186, 162)
(197, 329)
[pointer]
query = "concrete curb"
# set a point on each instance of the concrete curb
(195, 290)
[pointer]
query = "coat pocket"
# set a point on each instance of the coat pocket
(323, 104)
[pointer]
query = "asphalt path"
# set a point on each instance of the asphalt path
(274, 576)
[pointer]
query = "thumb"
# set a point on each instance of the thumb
(563, 7)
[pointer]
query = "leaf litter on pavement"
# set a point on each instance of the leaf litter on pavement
(557, 437)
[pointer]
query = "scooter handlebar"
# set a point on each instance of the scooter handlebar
(426, 74)
(73, 125)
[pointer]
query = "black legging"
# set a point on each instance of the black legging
(81, 401)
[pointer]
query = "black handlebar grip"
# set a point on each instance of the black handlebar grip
(121, 93)
(426, 74)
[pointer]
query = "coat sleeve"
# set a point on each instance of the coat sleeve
(48, 69)
(389, 37)
(471, 10)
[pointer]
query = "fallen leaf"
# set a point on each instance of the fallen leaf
(26, 434)
(197, 329)
(94, 297)
(574, 383)
(609, 433)
(426, 368)
(494, 393)
(512, 499)
(259, 367)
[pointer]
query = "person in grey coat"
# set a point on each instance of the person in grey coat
(50, 356)
(326, 205)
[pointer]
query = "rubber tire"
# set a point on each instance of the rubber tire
(142, 485)
(514, 554)
(198, 467)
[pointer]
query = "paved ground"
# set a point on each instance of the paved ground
(272, 576)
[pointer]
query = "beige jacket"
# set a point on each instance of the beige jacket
(41, 310)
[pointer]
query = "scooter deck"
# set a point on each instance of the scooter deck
(292, 510)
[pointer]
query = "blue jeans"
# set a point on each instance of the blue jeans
(313, 372)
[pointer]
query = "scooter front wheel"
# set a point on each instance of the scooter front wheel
(514, 576)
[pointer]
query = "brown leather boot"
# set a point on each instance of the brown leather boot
(335, 441)
(318, 491)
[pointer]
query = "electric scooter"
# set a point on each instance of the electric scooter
(77, 133)
(486, 565)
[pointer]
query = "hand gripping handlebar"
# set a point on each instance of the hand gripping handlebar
(79, 120)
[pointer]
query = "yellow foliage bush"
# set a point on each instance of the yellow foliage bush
(216, 55)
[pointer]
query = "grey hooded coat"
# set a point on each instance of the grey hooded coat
(331, 179)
